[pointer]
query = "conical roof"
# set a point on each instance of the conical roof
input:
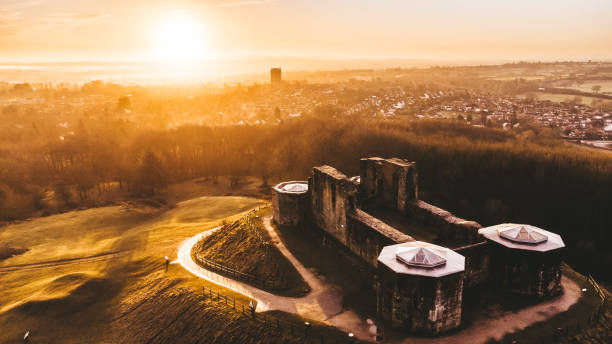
(523, 234)
(421, 257)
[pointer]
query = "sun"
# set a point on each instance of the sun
(179, 37)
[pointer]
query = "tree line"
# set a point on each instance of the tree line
(485, 174)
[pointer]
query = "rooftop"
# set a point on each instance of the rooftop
(421, 259)
(522, 234)
(523, 237)
(297, 187)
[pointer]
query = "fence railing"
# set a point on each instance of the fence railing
(262, 282)
(605, 300)
(253, 228)
(280, 326)
(265, 283)
(597, 318)
(598, 289)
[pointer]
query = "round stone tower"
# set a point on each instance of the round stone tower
(420, 287)
(290, 201)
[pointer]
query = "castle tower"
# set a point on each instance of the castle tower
(390, 183)
(525, 259)
(290, 202)
(421, 287)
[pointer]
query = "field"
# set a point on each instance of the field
(514, 77)
(85, 269)
(606, 86)
(558, 98)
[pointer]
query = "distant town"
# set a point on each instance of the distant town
(573, 99)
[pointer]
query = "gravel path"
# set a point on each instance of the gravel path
(323, 303)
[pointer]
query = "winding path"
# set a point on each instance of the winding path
(323, 303)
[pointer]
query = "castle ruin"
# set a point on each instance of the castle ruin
(423, 265)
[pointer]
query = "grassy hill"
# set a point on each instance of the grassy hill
(245, 246)
(97, 275)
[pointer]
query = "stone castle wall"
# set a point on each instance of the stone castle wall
(527, 272)
(332, 195)
(447, 225)
(390, 183)
(393, 184)
(477, 263)
(366, 236)
(420, 304)
(334, 210)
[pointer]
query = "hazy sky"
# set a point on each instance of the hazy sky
(40, 30)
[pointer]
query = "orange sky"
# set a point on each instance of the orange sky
(56, 30)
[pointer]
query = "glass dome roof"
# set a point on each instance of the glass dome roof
(295, 187)
(421, 257)
(523, 234)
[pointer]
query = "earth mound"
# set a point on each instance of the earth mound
(243, 250)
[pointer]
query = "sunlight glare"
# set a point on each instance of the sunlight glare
(179, 37)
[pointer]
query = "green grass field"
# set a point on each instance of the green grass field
(514, 77)
(83, 267)
(587, 86)
(98, 276)
(558, 98)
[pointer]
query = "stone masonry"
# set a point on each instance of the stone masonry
(419, 298)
